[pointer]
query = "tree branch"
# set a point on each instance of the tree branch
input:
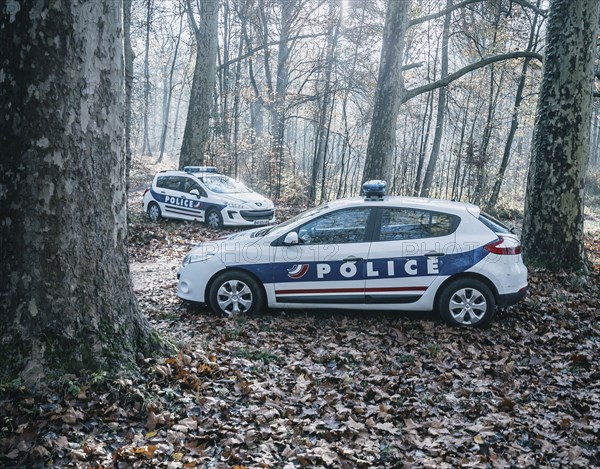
(464, 3)
(256, 49)
(409, 94)
(412, 65)
(441, 13)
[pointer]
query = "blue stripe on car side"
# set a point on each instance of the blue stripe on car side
(447, 265)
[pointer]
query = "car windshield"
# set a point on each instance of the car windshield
(224, 185)
(301, 216)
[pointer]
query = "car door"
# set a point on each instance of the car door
(178, 203)
(407, 254)
(195, 203)
(327, 266)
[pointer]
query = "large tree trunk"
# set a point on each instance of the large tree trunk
(195, 136)
(553, 225)
(66, 299)
(389, 94)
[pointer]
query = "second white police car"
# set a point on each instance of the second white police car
(368, 253)
(201, 193)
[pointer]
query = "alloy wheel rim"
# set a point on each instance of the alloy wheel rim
(468, 306)
(234, 297)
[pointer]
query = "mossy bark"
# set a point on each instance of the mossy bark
(553, 225)
(66, 298)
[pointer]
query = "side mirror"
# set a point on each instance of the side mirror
(291, 239)
(195, 192)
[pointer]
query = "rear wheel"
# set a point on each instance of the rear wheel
(214, 219)
(467, 302)
(154, 211)
(235, 292)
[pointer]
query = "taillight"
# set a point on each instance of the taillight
(494, 248)
(147, 189)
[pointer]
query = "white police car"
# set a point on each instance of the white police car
(201, 193)
(370, 253)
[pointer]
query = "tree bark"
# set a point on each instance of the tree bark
(66, 298)
(195, 136)
(553, 225)
(389, 94)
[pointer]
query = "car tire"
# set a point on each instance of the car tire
(467, 303)
(214, 219)
(235, 292)
(154, 212)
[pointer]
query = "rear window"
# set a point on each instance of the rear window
(169, 182)
(400, 224)
(493, 224)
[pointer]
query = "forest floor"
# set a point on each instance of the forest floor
(327, 389)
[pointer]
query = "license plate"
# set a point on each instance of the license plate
(261, 222)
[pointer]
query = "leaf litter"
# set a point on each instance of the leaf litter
(296, 389)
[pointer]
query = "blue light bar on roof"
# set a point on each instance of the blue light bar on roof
(374, 189)
(200, 169)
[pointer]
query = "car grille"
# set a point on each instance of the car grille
(252, 215)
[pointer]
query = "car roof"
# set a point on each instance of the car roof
(423, 203)
(186, 173)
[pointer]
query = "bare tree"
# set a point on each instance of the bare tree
(391, 92)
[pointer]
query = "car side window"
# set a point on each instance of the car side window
(341, 227)
(190, 185)
(399, 224)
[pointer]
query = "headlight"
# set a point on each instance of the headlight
(192, 258)
(234, 204)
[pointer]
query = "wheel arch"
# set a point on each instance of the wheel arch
(466, 275)
(235, 269)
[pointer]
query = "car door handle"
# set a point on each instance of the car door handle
(435, 254)
(352, 259)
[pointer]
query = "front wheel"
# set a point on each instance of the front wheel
(214, 219)
(235, 292)
(467, 302)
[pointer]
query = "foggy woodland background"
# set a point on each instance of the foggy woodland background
(308, 69)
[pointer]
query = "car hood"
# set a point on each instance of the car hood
(253, 199)
(228, 244)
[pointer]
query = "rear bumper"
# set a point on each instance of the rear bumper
(509, 299)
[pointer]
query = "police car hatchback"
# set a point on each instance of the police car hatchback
(201, 193)
(365, 253)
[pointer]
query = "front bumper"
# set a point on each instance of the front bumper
(236, 217)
